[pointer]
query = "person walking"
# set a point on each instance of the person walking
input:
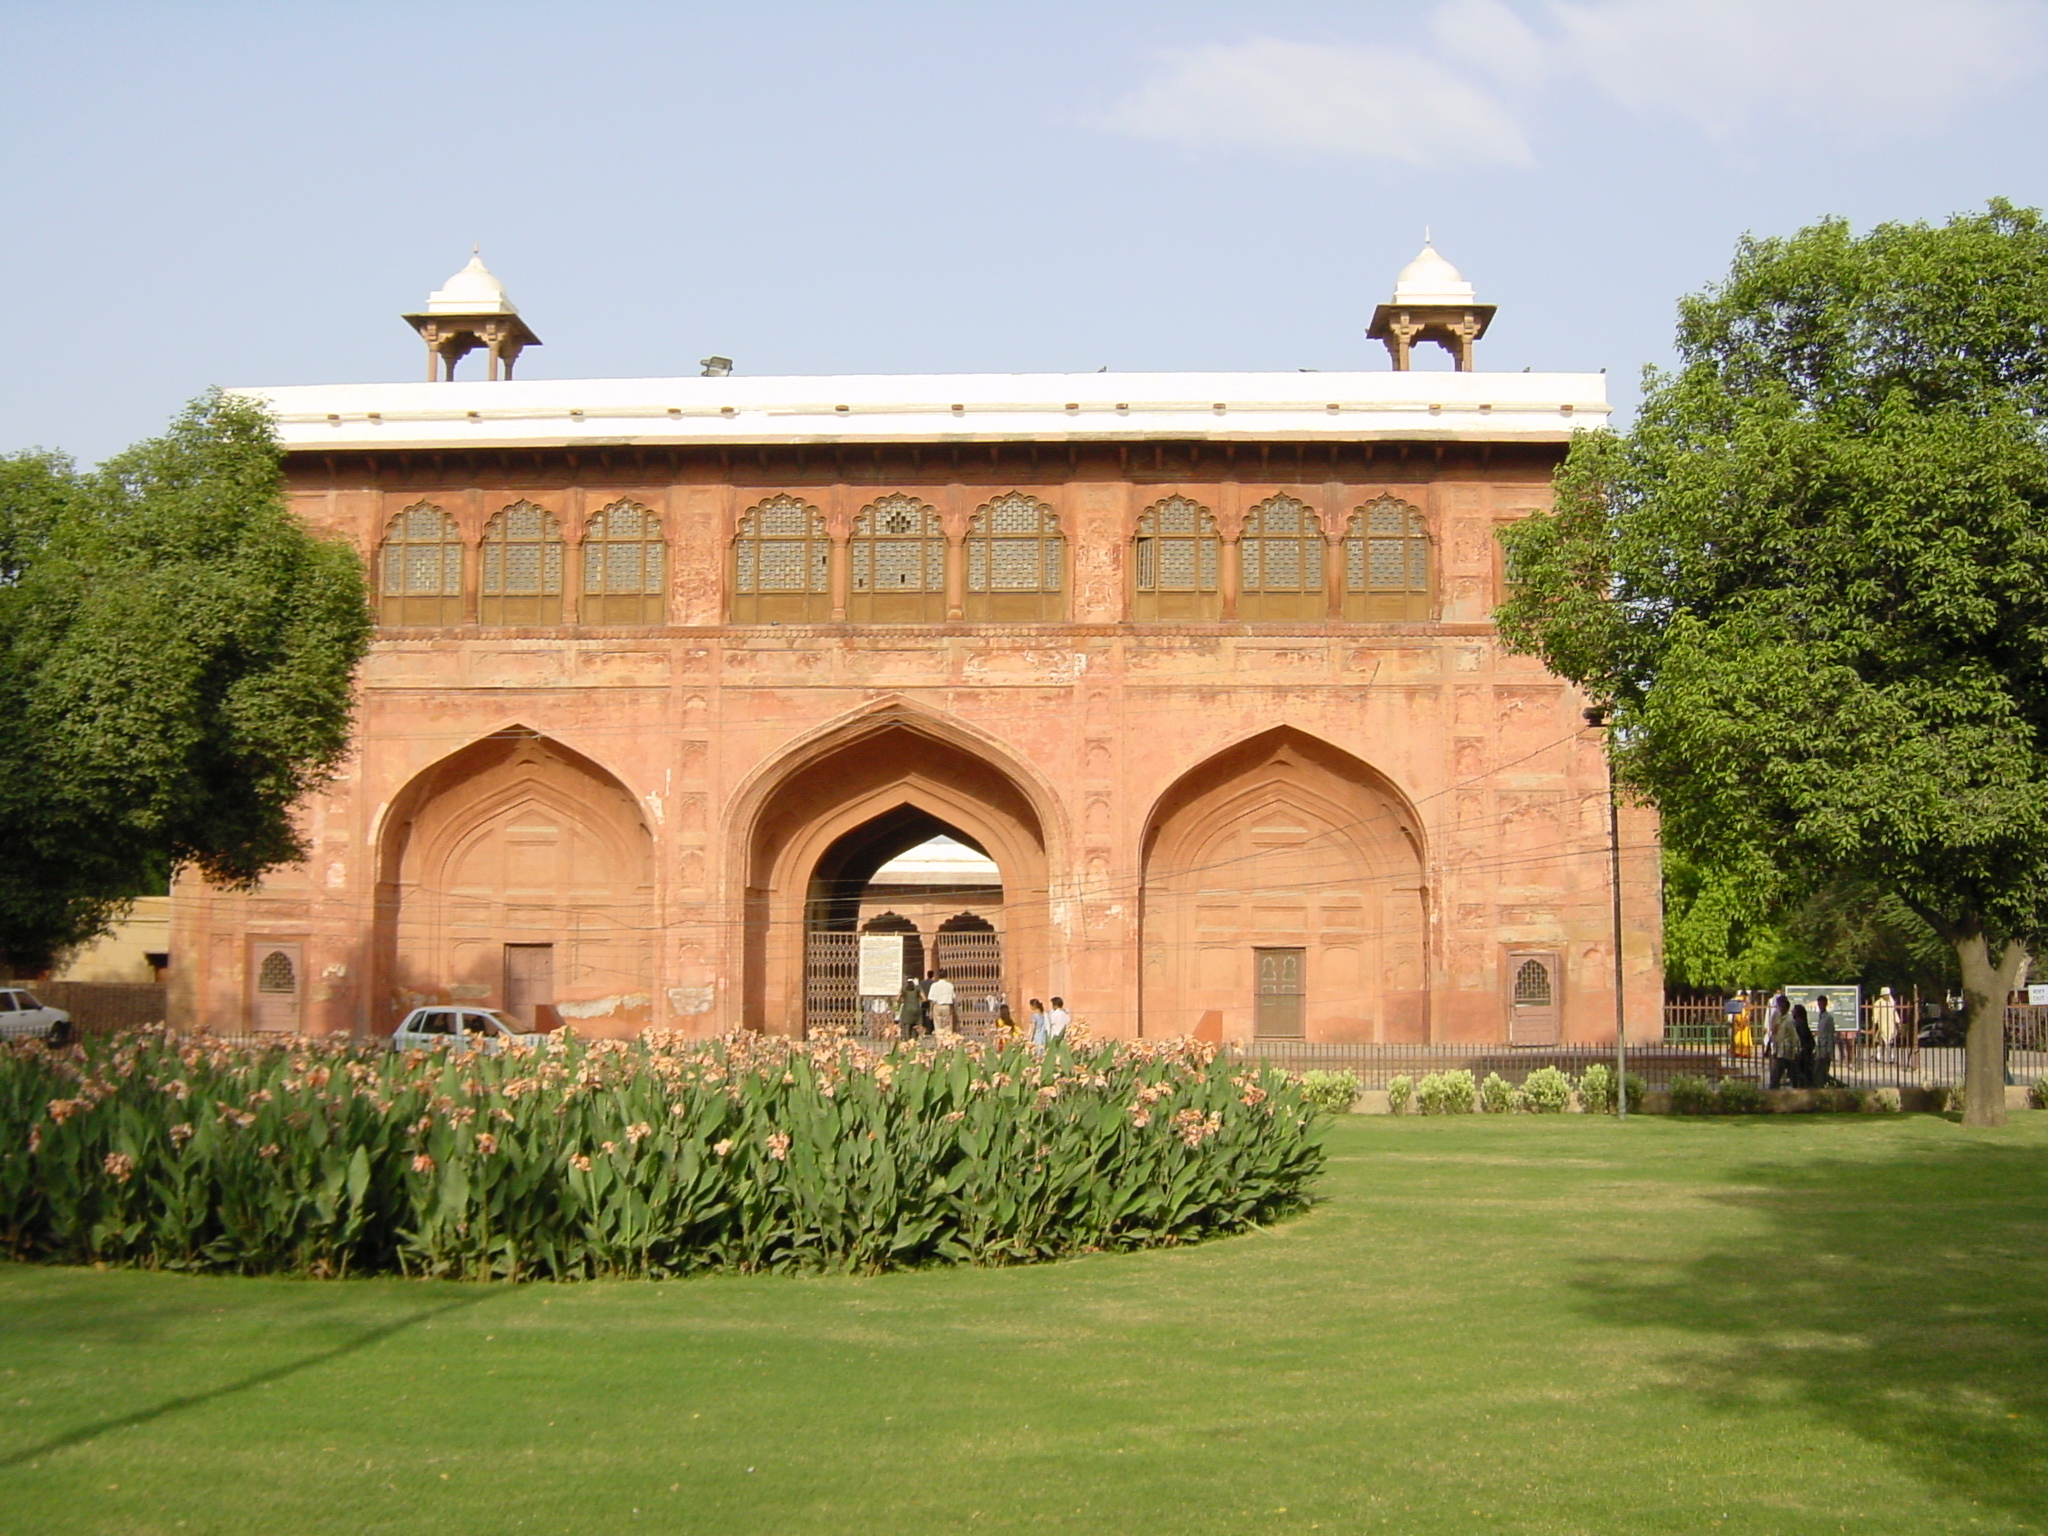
(938, 1000)
(1782, 1040)
(910, 1009)
(1037, 1020)
(1884, 1023)
(1825, 1039)
(1803, 1032)
(1056, 1022)
(1740, 1041)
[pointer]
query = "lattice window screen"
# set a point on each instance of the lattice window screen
(898, 545)
(276, 973)
(781, 547)
(422, 554)
(1281, 548)
(1178, 549)
(1385, 549)
(624, 554)
(1014, 545)
(522, 553)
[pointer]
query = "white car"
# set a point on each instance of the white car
(22, 1017)
(454, 1028)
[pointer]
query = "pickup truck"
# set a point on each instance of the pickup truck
(446, 1027)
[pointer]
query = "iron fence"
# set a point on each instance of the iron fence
(1863, 1066)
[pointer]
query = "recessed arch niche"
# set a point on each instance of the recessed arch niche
(518, 863)
(1284, 843)
(818, 827)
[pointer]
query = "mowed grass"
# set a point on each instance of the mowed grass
(1816, 1324)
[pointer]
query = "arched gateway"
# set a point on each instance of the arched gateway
(838, 810)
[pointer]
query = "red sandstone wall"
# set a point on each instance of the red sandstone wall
(669, 745)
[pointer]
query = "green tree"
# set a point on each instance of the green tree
(1812, 583)
(1720, 933)
(177, 675)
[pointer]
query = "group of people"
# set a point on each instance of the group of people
(1803, 1047)
(929, 1006)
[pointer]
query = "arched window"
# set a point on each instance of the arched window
(1175, 560)
(898, 563)
(522, 567)
(1280, 562)
(421, 577)
(624, 566)
(780, 562)
(1015, 559)
(1386, 563)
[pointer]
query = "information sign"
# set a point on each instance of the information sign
(881, 964)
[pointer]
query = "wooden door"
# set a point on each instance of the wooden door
(529, 980)
(274, 972)
(1280, 993)
(1533, 999)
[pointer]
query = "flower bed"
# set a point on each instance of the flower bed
(648, 1158)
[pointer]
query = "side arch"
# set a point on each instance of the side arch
(1284, 843)
(519, 873)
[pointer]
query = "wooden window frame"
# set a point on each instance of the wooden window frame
(409, 607)
(748, 603)
(987, 604)
(925, 603)
(1363, 601)
(1154, 602)
(497, 602)
(601, 604)
(1259, 599)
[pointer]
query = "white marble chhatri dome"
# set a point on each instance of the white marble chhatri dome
(472, 291)
(1429, 279)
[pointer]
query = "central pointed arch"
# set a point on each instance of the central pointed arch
(812, 828)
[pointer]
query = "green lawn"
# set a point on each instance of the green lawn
(1536, 1325)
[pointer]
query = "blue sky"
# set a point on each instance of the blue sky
(204, 193)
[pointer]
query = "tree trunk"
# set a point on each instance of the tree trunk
(1987, 981)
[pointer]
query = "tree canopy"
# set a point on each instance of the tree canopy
(178, 663)
(1811, 583)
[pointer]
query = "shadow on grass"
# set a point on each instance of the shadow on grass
(1903, 1299)
(354, 1344)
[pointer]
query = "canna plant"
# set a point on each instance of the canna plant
(607, 1158)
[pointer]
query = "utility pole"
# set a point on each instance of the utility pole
(1596, 717)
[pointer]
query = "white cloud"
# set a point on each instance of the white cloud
(1379, 103)
(1485, 33)
(1859, 67)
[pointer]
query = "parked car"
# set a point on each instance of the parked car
(23, 1017)
(454, 1028)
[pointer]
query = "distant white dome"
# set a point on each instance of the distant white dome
(1429, 279)
(472, 291)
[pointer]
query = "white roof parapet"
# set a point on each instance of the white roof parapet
(939, 408)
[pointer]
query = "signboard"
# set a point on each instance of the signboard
(1844, 1002)
(2037, 995)
(881, 964)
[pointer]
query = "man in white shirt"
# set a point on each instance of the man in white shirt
(1056, 1022)
(939, 1000)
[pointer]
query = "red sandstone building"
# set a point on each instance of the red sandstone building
(678, 680)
